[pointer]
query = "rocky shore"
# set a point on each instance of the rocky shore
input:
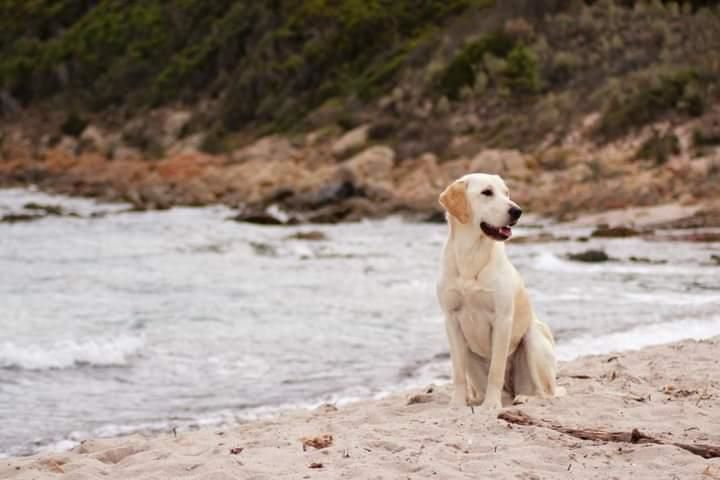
(330, 176)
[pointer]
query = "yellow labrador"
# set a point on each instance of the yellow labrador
(498, 347)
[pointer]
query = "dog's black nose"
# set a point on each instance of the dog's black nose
(515, 213)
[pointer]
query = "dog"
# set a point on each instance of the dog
(498, 347)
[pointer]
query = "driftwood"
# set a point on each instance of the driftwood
(635, 436)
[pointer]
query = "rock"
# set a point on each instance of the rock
(542, 237)
(589, 256)
(647, 260)
(702, 237)
(708, 130)
(580, 173)
(197, 193)
(8, 103)
(48, 210)
(557, 158)
(258, 181)
(191, 144)
(509, 163)
(418, 183)
(123, 153)
(20, 217)
(333, 192)
(156, 196)
(351, 141)
(174, 124)
(701, 168)
(272, 148)
(264, 249)
(614, 232)
(488, 161)
(68, 144)
(312, 235)
(373, 165)
(516, 165)
(93, 139)
(181, 168)
(258, 217)
(437, 216)
(420, 398)
(351, 210)
(455, 169)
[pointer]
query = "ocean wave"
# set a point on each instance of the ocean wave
(103, 352)
(638, 337)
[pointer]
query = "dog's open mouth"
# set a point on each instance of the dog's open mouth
(496, 233)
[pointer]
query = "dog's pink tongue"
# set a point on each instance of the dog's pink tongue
(506, 231)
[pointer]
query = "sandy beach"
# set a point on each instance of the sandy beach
(670, 392)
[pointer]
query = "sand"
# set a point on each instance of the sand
(670, 391)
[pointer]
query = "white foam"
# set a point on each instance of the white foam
(639, 337)
(102, 352)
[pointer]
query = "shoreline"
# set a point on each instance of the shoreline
(666, 215)
(666, 391)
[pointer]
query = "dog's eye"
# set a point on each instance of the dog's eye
(487, 192)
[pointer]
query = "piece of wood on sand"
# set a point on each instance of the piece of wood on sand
(635, 436)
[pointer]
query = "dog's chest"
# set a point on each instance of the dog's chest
(473, 306)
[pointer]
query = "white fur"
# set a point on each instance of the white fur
(499, 349)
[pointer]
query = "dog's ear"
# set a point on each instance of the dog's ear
(455, 201)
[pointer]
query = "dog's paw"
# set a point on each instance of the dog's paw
(458, 398)
(491, 404)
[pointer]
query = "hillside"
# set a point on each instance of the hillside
(534, 90)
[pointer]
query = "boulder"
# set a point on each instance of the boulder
(455, 169)
(124, 153)
(351, 141)
(272, 148)
(68, 144)
(418, 185)
(510, 163)
(174, 124)
(92, 139)
(189, 145)
(373, 165)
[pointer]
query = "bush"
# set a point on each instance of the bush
(659, 147)
(522, 74)
(73, 125)
(703, 138)
(463, 68)
(678, 91)
(564, 65)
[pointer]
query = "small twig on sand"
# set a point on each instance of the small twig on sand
(635, 436)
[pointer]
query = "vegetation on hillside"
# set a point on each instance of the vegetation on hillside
(507, 73)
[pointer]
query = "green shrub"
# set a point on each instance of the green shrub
(272, 61)
(679, 91)
(659, 147)
(705, 138)
(564, 66)
(522, 73)
(73, 125)
(463, 68)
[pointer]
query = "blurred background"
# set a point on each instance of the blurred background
(213, 210)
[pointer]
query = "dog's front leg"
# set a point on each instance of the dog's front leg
(501, 333)
(458, 357)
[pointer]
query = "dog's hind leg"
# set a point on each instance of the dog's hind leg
(534, 363)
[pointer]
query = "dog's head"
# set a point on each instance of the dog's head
(482, 201)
